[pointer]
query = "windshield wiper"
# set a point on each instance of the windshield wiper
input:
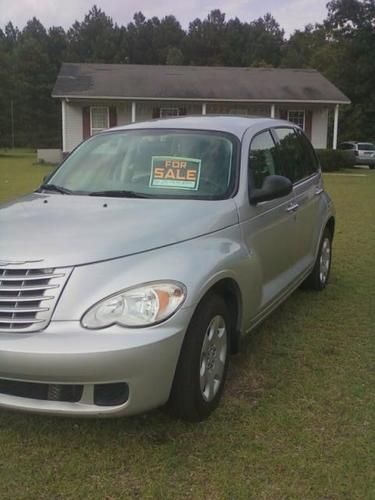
(120, 194)
(54, 188)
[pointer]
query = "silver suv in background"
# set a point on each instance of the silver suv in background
(363, 153)
(128, 277)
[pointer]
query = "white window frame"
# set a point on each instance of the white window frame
(297, 111)
(96, 130)
(169, 112)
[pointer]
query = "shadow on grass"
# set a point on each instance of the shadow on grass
(247, 384)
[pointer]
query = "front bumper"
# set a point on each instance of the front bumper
(67, 354)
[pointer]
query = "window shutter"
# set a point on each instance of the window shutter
(86, 129)
(283, 114)
(156, 112)
(112, 116)
(308, 123)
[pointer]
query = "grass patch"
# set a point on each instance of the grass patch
(297, 417)
(19, 173)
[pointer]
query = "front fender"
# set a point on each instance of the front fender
(198, 263)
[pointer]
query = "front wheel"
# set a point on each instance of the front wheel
(318, 278)
(203, 362)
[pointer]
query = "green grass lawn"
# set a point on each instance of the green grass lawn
(297, 419)
(19, 173)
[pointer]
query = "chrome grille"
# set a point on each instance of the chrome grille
(28, 297)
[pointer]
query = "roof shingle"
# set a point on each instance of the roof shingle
(131, 81)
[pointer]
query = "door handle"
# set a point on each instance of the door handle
(318, 191)
(292, 207)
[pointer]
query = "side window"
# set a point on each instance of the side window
(309, 158)
(262, 159)
(290, 154)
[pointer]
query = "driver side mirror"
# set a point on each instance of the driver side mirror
(274, 186)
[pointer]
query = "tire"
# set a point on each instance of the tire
(203, 363)
(318, 279)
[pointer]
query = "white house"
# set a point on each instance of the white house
(97, 96)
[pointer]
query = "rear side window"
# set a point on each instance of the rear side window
(262, 159)
(296, 155)
(309, 159)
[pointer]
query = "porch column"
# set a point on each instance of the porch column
(335, 126)
(133, 111)
(273, 111)
(63, 116)
(204, 109)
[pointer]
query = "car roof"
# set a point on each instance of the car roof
(236, 125)
(356, 142)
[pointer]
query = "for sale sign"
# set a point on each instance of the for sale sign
(175, 173)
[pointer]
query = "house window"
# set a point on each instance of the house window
(99, 119)
(165, 112)
(297, 117)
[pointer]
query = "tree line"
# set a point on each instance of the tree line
(342, 48)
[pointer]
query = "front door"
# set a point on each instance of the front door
(269, 227)
(301, 166)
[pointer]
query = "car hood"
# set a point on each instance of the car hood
(53, 230)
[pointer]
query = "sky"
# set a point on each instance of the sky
(290, 14)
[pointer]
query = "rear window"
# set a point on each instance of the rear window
(366, 146)
(156, 163)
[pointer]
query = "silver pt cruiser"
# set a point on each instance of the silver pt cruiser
(129, 276)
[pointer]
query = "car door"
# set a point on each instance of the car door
(268, 228)
(301, 166)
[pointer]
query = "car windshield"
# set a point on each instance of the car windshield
(151, 163)
(366, 147)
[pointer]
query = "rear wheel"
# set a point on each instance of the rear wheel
(318, 278)
(203, 362)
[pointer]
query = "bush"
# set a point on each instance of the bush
(332, 160)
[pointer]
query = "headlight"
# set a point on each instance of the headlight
(143, 305)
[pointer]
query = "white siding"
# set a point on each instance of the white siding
(123, 113)
(73, 128)
(245, 109)
(73, 133)
(319, 128)
(144, 110)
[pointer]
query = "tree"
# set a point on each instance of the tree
(205, 40)
(350, 25)
(36, 117)
(8, 42)
(265, 41)
(140, 35)
(168, 40)
(174, 56)
(96, 39)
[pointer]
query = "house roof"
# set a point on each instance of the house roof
(198, 83)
